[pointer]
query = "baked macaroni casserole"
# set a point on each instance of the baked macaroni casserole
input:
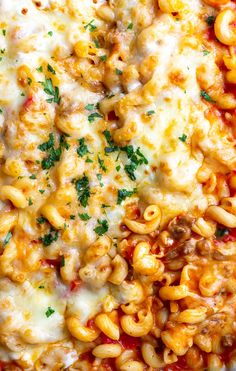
(118, 185)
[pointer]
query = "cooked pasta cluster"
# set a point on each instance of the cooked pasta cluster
(118, 185)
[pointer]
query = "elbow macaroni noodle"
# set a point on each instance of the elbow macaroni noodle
(117, 185)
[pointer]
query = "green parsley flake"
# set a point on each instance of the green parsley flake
(41, 287)
(33, 176)
(49, 312)
(123, 194)
(93, 116)
(41, 220)
(183, 138)
(103, 58)
(49, 238)
(7, 238)
(41, 191)
(54, 154)
(84, 216)
(72, 217)
(130, 26)
(206, 52)
(50, 69)
(51, 90)
(112, 147)
(101, 164)
(39, 69)
(89, 107)
(50, 33)
(210, 20)
(99, 177)
(136, 158)
(96, 42)
(4, 32)
(30, 202)
(207, 97)
(150, 113)
(83, 190)
(62, 261)
(102, 227)
(118, 72)
(221, 232)
(90, 26)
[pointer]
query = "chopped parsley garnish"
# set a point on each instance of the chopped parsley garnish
(112, 147)
(150, 113)
(82, 149)
(47, 145)
(101, 164)
(88, 160)
(62, 261)
(49, 238)
(50, 33)
(123, 194)
(206, 52)
(41, 287)
(39, 69)
(210, 20)
(103, 58)
(4, 32)
(93, 116)
(63, 142)
(7, 238)
(33, 176)
(72, 217)
(221, 232)
(105, 206)
(29, 80)
(99, 177)
(22, 94)
(49, 312)
(1, 111)
(41, 220)
(207, 97)
(50, 69)
(183, 138)
(41, 191)
(136, 158)
(90, 26)
(96, 42)
(84, 216)
(89, 107)
(83, 190)
(30, 202)
(130, 26)
(54, 154)
(118, 72)
(102, 227)
(51, 90)
(118, 167)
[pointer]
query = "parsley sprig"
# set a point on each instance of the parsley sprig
(51, 90)
(49, 238)
(102, 227)
(83, 190)
(54, 154)
(123, 194)
(136, 158)
(83, 148)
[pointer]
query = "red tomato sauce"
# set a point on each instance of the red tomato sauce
(180, 365)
